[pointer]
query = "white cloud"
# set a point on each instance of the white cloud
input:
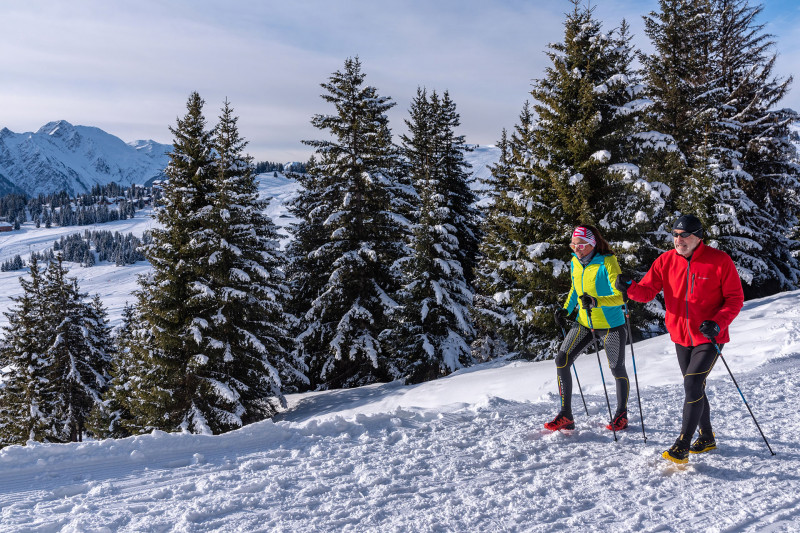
(129, 67)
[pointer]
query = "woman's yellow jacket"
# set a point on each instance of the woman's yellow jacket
(597, 279)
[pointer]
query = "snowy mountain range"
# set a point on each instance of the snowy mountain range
(60, 156)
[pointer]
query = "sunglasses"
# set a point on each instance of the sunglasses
(581, 246)
(681, 235)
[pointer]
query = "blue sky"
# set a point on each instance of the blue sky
(129, 67)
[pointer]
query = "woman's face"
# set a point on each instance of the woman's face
(581, 247)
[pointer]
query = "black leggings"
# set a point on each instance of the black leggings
(576, 342)
(696, 362)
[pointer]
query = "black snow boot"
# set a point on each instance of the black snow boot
(705, 443)
(679, 452)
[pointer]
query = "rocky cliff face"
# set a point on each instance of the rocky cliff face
(61, 156)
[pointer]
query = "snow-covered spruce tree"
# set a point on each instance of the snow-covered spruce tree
(309, 234)
(354, 179)
(99, 333)
(494, 318)
(509, 227)
(632, 202)
(24, 397)
(575, 164)
(436, 332)
(713, 89)
(77, 353)
(167, 386)
(684, 88)
(455, 178)
(112, 418)
(244, 348)
(756, 182)
(134, 371)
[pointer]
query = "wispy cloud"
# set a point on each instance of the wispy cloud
(129, 67)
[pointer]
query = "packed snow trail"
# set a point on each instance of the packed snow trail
(484, 467)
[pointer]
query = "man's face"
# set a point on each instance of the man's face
(685, 243)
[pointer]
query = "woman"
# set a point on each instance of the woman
(594, 271)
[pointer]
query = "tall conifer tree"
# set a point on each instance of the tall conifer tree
(577, 163)
(77, 353)
(24, 397)
(756, 180)
(216, 350)
(60, 351)
(165, 298)
(244, 346)
(494, 317)
(437, 326)
(455, 177)
(683, 87)
(356, 189)
(711, 82)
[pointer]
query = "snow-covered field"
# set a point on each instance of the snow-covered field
(115, 284)
(463, 453)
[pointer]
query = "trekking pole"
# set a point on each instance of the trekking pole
(575, 370)
(719, 352)
(602, 378)
(633, 358)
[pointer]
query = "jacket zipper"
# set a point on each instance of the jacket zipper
(583, 273)
(689, 290)
(583, 290)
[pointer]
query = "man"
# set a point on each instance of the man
(702, 294)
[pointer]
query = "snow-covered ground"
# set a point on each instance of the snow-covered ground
(462, 453)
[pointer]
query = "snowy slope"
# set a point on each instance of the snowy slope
(60, 156)
(463, 453)
(116, 284)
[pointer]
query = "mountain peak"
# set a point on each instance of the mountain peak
(60, 156)
(58, 128)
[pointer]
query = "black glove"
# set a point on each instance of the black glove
(623, 282)
(710, 329)
(587, 301)
(560, 317)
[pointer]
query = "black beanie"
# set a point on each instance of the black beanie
(690, 224)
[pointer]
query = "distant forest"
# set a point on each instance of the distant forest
(105, 203)
(269, 166)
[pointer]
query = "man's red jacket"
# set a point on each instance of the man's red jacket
(705, 287)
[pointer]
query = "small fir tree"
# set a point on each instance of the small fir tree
(112, 417)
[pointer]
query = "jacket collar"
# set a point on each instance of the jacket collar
(596, 260)
(697, 252)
